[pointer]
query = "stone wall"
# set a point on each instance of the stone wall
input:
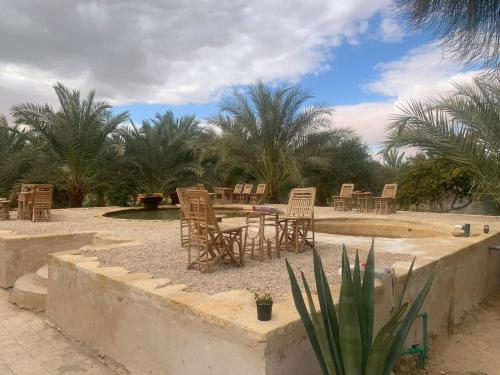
(21, 254)
(153, 327)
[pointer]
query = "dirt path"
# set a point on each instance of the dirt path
(474, 348)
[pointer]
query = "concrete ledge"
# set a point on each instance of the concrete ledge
(21, 254)
(151, 326)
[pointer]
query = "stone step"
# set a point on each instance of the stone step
(43, 275)
(29, 292)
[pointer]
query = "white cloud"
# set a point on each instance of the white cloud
(160, 51)
(419, 75)
(390, 29)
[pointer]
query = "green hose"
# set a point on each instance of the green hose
(421, 350)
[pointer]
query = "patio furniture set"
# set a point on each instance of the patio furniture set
(211, 242)
(34, 202)
(364, 201)
(241, 194)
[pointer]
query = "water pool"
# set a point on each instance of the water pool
(172, 213)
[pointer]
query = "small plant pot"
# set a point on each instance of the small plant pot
(264, 312)
(151, 202)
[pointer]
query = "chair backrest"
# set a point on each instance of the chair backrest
(247, 189)
(42, 201)
(238, 188)
(200, 211)
(27, 187)
(261, 189)
(389, 191)
(181, 194)
(301, 202)
(346, 190)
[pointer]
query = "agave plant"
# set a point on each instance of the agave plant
(343, 341)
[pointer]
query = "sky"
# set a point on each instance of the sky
(150, 56)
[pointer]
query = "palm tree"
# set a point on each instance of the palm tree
(268, 133)
(392, 158)
(468, 29)
(70, 140)
(161, 152)
(463, 128)
(15, 156)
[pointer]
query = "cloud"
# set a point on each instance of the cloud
(419, 75)
(166, 51)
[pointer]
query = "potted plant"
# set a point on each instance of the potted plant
(151, 201)
(264, 304)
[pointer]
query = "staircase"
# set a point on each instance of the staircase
(30, 290)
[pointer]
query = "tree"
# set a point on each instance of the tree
(161, 152)
(436, 183)
(71, 139)
(15, 156)
(392, 158)
(349, 162)
(269, 134)
(462, 128)
(467, 29)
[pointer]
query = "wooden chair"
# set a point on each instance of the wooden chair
(238, 188)
(297, 225)
(184, 222)
(42, 202)
(244, 197)
(257, 197)
(343, 201)
(4, 208)
(386, 203)
(213, 244)
(24, 202)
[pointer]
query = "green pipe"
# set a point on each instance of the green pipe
(422, 351)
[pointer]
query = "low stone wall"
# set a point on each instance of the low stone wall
(153, 327)
(21, 254)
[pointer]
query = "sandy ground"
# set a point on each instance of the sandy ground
(473, 348)
(160, 253)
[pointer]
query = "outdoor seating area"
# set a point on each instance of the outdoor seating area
(34, 202)
(210, 241)
(364, 201)
(240, 194)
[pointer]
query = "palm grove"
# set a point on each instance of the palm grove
(261, 134)
(96, 157)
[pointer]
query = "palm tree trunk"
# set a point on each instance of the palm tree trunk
(76, 197)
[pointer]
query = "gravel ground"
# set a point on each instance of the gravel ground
(161, 255)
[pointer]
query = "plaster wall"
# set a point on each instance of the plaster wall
(21, 254)
(153, 327)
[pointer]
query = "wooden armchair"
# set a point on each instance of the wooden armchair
(256, 198)
(238, 189)
(42, 202)
(244, 197)
(297, 225)
(24, 202)
(184, 222)
(212, 243)
(343, 201)
(4, 208)
(386, 203)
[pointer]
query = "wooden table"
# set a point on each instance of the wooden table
(223, 195)
(260, 242)
(365, 202)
